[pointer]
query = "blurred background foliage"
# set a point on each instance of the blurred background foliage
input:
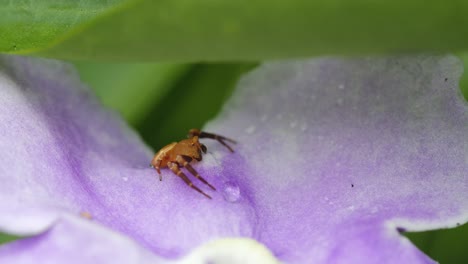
(445, 245)
(242, 30)
(163, 100)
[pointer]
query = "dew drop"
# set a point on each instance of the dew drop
(231, 192)
(250, 129)
(125, 178)
(304, 127)
(341, 86)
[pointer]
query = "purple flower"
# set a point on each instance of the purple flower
(335, 158)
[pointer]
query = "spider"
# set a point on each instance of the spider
(180, 154)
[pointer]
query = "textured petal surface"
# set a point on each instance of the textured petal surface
(337, 156)
(334, 156)
(73, 240)
(62, 155)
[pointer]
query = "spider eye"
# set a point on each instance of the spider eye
(203, 148)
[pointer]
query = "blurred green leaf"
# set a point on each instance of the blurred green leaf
(193, 101)
(187, 30)
(30, 25)
(131, 89)
(464, 79)
(445, 245)
(5, 238)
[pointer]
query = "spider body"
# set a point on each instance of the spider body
(188, 148)
(182, 153)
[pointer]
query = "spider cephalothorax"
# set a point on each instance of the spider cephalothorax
(180, 154)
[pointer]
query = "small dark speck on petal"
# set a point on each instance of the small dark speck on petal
(352, 185)
(458, 224)
(446, 79)
(401, 229)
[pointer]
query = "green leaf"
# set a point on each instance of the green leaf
(464, 78)
(193, 101)
(187, 30)
(5, 238)
(34, 25)
(444, 245)
(145, 84)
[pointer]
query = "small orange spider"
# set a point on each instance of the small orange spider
(180, 154)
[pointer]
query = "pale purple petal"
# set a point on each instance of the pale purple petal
(338, 155)
(333, 157)
(73, 240)
(63, 156)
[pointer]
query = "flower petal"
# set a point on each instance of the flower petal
(73, 240)
(63, 156)
(334, 157)
(339, 156)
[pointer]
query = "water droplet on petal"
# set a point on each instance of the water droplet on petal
(125, 178)
(304, 127)
(231, 192)
(341, 86)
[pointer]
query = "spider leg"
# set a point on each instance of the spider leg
(157, 167)
(175, 168)
(184, 161)
(203, 148)
(219, 138)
